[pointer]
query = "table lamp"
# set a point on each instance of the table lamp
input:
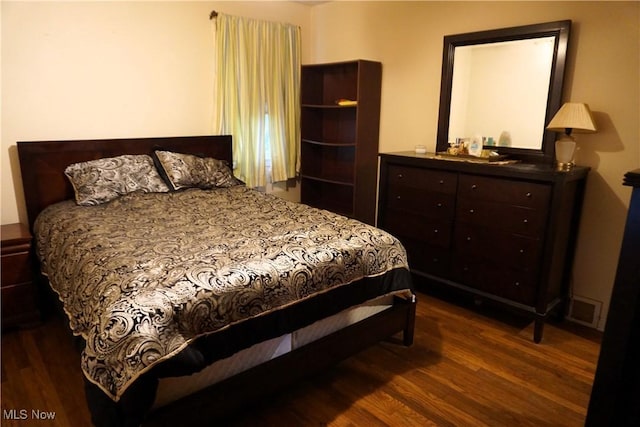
(571, 117)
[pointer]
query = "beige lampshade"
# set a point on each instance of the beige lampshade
(573, 116)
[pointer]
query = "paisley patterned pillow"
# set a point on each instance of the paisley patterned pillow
(102, 180)
(188, 170)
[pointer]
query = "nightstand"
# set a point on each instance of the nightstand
(18, 290)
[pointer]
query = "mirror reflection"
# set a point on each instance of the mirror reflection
(499, 92)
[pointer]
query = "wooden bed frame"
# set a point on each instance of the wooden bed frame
(42, 166)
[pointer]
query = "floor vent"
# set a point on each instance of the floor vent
(585, 311)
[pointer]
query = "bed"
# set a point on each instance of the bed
(191, 301)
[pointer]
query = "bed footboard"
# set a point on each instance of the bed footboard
(229, 396)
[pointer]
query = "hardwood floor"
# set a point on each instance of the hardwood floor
(467, 367)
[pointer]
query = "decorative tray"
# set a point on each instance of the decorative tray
(488, 159)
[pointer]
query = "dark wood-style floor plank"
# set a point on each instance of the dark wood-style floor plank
(469, 366)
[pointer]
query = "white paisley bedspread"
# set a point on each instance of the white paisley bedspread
(144, 275)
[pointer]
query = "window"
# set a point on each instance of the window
(258, 96)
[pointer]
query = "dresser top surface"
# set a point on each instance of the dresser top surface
(544, 172)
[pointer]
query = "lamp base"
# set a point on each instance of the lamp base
(564, 166)
(565, 148)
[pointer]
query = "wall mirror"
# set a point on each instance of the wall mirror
(504, 85)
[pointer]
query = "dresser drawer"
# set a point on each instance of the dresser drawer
(511, 218)
(18, 304)
(433, 232)
(16, 268)
(421, 179)
(519, 193)
(497, 280)
(514, 251)
(431, 205)
(426, 258)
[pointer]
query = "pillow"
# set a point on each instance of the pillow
(102, 180)
(187, 170)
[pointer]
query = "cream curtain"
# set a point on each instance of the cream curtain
(258, 96)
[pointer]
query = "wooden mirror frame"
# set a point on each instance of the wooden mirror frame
(558, 29)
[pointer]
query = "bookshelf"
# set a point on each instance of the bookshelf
(340, 120)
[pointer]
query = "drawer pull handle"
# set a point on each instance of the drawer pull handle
(441, 182)
(526, 221)
(439, 205)
(400, 176)
(471, 211)
(398, 197)
(468, 238)
(474, 186)
(517, 283)
(435, 230)
(435, 260)
(529, 195)
(521, 251)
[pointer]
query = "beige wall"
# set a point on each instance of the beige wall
(603, 71)
(77, 70)
(115, 69)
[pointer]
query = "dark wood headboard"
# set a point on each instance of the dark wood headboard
(42, 163)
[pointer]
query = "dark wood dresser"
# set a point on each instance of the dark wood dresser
(499, 232)
(18, 290)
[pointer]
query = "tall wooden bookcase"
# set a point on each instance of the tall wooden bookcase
(339, 147)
